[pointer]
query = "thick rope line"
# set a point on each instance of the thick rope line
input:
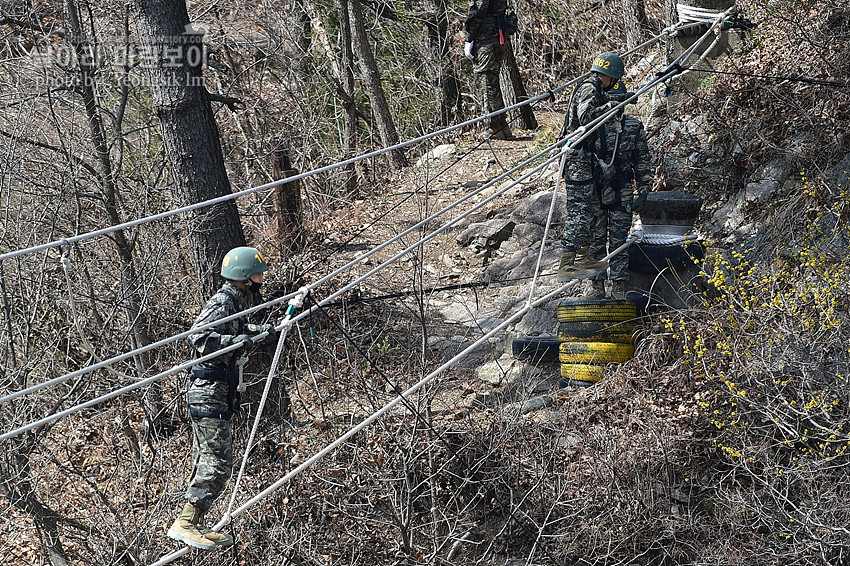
(565, 143)
(369, 420)
(305, 313)
(298, 177)
(273, 302)
(383, 410)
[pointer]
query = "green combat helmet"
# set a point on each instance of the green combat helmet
(241, 263)
(609, 64)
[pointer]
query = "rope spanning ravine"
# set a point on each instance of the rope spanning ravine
(176, 369)
(67, 241)
(670, 30)
(402, 397)
(579, 135)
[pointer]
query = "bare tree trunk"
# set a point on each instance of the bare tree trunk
(372, 79)
(287, 201)
(189, 132)
(437, 26)
(346, 79)
(510, 74)
(634, 21)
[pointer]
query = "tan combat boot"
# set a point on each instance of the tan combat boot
(503, 133)
(595, 289)
(186, 529)
(219, 539)
(618, 290)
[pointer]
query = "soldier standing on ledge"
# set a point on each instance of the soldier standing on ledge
(213, 397)
(487, 26)
(623, 163)
(588, 102)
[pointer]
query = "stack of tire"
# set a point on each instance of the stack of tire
(591, 335)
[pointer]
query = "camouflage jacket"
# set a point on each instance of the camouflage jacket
(227, 301)
(587, 103)
(484, 19)
(616, 176)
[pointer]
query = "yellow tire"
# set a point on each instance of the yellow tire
(594, 352)
(597, 331)
(606, 310)
(582, 372)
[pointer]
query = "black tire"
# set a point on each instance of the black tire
(606, 310)
(535, 349)
(597, 331)
(654, 259)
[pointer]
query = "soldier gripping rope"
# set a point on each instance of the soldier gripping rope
(212, 395)
(623, 163)
(588, 102)
(487, 25)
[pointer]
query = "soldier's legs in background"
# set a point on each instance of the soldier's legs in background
(619, 224)
(580, 202)
(212, 458)
(487, 60)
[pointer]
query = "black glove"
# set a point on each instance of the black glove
(271, 330)
(637, 204)
(244, 340)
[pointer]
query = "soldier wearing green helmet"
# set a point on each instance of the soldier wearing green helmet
(212, 395)
(588, 102)
(623, 176)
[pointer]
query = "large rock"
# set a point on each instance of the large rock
(486, 236)
(731, 220)
(535, 209)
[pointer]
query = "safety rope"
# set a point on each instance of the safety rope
(298, 177)
(372, 418)
(308, 312)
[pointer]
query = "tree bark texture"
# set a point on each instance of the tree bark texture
(511, 76)
(374, 88)
(287, 201)
(189, 132)
(634, 21)
(346, 79)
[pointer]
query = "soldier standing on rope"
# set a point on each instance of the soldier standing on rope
(588, 102)
(487, 25)
(212, 395)
(623, 162)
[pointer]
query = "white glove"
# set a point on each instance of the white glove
(467, 50)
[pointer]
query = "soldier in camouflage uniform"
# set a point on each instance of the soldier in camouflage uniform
(212, 395)
(588, 102)
(487, 25)
(623, 163)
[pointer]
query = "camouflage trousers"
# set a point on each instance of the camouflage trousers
(212, 459)
(486, 62)
(610, 230)
(581, 202)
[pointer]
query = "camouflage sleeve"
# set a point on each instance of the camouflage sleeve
(589, 105)
(217, 337)
(642, 164)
